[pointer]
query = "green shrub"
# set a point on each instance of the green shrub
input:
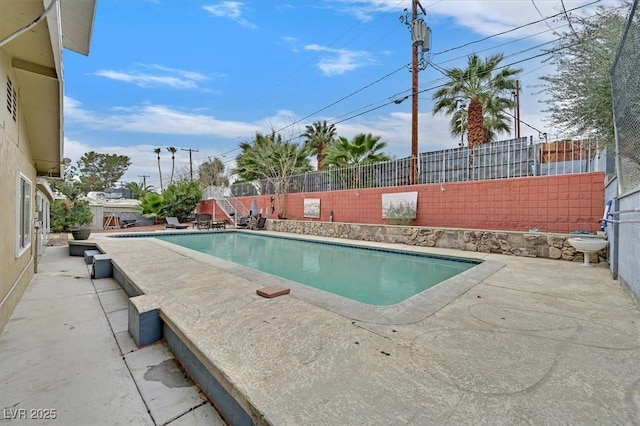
(152, 206)
(181, 199)
(66, 215)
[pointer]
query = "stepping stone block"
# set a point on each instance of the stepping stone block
(273, 291)
(101, 266)
(77, 248)
(145, 325)
(88, 256)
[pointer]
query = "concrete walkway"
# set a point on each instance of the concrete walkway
(66, 358)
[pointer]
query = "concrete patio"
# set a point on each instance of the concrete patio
(537, 342)
(66, 358)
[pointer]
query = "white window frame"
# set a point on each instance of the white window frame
(24, 212)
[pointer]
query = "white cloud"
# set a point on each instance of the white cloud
(167, 77)
(191, 75)
(485, 17)
(231, 10)
(73, 111)
(340, 61)
(162, 119)
(146, 80)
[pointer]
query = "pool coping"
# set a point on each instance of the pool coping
(412, 309)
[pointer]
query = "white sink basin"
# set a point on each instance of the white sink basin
(588, 245)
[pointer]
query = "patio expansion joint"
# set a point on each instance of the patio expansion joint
(538, 293)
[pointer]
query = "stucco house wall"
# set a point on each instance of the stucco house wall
(15, 152)
(32, 36)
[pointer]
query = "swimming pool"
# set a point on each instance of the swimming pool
(373, 276)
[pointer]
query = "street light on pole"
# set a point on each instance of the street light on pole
(421, 43)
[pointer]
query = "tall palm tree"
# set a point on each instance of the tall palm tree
(173, 151)
(157, 151)
(319, 136)
(478, 86)
(362, 149)
(495, 119)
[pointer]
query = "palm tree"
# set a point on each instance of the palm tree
(138, 190)
(173, 151)
(495, 119)
(319, 136)
(212, 173)
(478, 86)
(362, 149)
(269, 157)
(157, 151)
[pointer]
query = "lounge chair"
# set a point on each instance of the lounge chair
(261, 223)
(128, 222)
(203, 220)
(244, 222)
(172, 223)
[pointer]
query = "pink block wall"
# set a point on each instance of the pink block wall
(560, 204)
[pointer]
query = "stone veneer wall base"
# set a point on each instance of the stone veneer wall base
(514, 243)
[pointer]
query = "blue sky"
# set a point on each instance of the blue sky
(207, 75)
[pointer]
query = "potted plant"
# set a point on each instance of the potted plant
(71, 213)
(80, 218)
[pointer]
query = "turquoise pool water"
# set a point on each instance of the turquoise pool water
(372, 276)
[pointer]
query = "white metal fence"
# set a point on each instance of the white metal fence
(497, 160)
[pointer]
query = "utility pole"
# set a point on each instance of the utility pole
(517, 98)
(190, 160)
(144, 180)
(420, 37)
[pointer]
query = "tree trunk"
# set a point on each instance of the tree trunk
(173, 166)
(160, 173)
(320, 155)
(477, 134)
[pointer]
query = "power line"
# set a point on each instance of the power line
(541, 15)
(331, 44)
(355, 115)
(502, 44)
(342, 99)
(513, 29)
(396, 101)
(438, 53)
(442, 85)
(568, 20)
(523, 122)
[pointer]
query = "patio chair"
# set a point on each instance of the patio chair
(203, 220)
(243, 223)
(128, 222)
(261, 223)
(172, 223)
(218, 224)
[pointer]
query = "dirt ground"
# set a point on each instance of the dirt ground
(58, 239)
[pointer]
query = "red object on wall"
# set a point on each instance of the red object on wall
(561, 203)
